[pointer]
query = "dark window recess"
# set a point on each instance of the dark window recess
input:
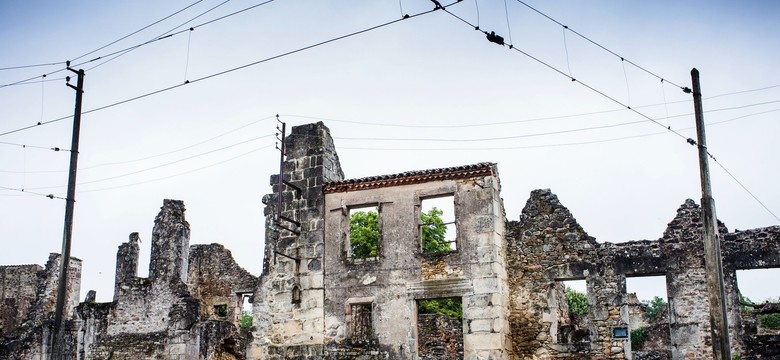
(221, 310)
(360, 322)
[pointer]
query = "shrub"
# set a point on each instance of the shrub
(578, 302)
(770, 321)
(246, 320)
(638, 338)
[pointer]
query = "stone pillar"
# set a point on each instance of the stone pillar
(126, 263)
(285, 326)
(170, 244)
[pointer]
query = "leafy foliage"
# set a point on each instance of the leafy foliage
(449, 306)
(434, 231)
(654, 306)
(578, 302)
(364, 234)
(638, 338)
(745, 302)
(771, 321)
(246, 320)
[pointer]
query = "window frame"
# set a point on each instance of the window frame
(346, 238)
(456, 243)
(349, 305)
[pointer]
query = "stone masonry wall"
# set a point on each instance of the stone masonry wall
(402, 274)
(285, 329)
(34, 298)
(216, 280)
(126, 264)
(151, 317)
(547, 246)
(18, 290)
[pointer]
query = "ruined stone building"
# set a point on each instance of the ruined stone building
(323, 296)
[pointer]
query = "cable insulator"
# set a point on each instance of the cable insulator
(492, 37)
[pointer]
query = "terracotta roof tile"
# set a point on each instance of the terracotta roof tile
(412, 177)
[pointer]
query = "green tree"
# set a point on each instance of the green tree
(434, 231)
(450, 306)
(246, 320)
(578, 302)
(653, 306)
(364, 234)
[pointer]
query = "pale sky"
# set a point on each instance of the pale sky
(426, 92)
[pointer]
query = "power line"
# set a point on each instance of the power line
(50, 196)
(181, 173)
(308, 47)
(179, 149)
(144, 158)
(599, 45)
(743, 186)
(558, 144)
(137, 31)
(34, 146)
(521, 120)
(164, 36)
(161, 165)
(104, 46)
(500, 41)
(31, 66)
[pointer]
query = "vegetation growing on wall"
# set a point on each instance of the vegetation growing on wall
(638, 338)
(654, 306)
(449, 306)
(578, 302)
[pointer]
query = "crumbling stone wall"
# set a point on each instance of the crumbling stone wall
(509, 280)
(216, 280)
(440, 337)
(402, 274)
(153, 317)
(28, 299)
(547, 245)
(287, 328)
(18, 290)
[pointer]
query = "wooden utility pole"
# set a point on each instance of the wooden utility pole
(713, 260)
(70, 200)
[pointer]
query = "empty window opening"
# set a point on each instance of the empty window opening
(437, 225)
(572, 322)
(246, 301)
(360, 321)
(364, 233)
(440, 328)
(754, 297)
(245, 322)
(221, 310)
(753, 287)
(648, 313)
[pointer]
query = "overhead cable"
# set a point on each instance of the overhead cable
(164, 36)
(308, 47)
(492, 38)
(482, 148)
(158, 166)
(599, 45)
